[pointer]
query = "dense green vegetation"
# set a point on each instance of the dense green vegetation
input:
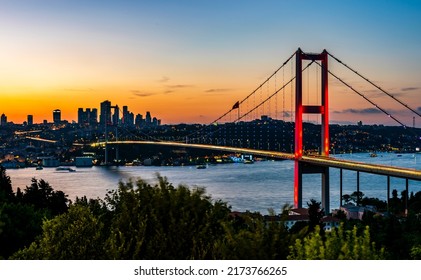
(140, 220)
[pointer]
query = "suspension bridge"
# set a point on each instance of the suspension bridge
(270, 122)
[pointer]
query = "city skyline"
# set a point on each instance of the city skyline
(189, 62)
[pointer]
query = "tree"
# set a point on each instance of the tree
(162, 221)
(356, 197)
(76, 234)
(6, 191)
(339, 244)
(42, 196)
(20, 225)
(346, 198)
(315, 213)
(250, 236)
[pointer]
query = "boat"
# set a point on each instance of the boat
(202, 166)
(373, 155)
(39, 167)
(65, 169)
(248, 161)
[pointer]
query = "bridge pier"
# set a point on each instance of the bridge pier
(305, 168)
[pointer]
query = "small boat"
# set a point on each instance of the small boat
(373, 155)
(65, 169)
(39, 167)
(248, 161)
(202, 166)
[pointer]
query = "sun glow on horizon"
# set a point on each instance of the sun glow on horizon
(191, 63)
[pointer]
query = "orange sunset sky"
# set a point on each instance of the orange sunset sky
(190, 61)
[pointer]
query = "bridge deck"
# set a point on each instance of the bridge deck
(385, 170)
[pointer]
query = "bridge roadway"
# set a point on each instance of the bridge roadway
(393, 171)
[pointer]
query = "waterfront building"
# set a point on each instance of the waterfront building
(83, 161)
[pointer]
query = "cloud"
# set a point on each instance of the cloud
(287, 114)
(367, 111)
(179, 86)
(217, 90)
(164, 79)
(142, 94)
(409, 88)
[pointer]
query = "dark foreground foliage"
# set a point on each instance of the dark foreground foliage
(142, 220)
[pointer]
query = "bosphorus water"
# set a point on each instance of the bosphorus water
(253, 187)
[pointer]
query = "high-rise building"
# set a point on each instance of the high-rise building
(116, 116)
(105, 114)
(30, 120)
(148, 118)
(3, 119)
(139, 120)
(81, 116)
(88, 117)
(92, 116)
(57, 116)
(125, 115)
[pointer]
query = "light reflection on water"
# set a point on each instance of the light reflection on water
(254, 187)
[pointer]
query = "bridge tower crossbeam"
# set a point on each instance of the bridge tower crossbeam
(300, 109)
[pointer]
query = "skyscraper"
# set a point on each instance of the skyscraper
(139, 120)
(93, 116)
(57, 116)
(105, 113)
(30, 120)
(88, 117)
(148, 118)
(3, 119)
(81, 116)
(116, 116)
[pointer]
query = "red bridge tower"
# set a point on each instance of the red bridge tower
(323, 110)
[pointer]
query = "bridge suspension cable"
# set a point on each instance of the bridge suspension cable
(363, 96)
(272, 95)
(250, 111)
(376, 86)
(254, 91)
(262, 103)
